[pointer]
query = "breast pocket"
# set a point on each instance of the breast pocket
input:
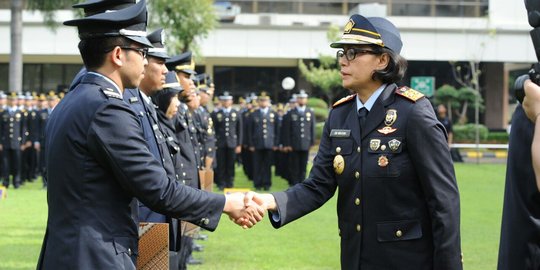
(342, 149)
(385, 157)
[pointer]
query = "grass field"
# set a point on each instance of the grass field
(309, 243)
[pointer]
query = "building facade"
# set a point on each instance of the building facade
(262, 42)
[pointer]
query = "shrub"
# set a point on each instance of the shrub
(467, 133)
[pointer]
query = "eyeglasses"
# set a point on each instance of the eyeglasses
(351, 53)
(142, 51)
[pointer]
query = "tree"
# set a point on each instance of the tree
(184, 20)
(326, 75)
(15, 57)
(448, 96)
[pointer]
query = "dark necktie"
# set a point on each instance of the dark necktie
(362, 114)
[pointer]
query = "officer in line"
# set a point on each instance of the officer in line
(247, 155)
(228, 126)
(189, 162)
(98, 163)
(205, 128)
(298, 133)
(140, 102)
(29, 155)
(43, 115)
(12, 126)
(280, 157)
(262, 127)
(396, 208)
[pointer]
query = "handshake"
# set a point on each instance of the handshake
(247, 209)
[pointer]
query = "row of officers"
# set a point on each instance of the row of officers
(22, 123)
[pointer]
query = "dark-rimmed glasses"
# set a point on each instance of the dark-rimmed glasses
(142, 51)
(351, 53)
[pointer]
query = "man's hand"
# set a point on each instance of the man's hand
(531, 102)
(242, 211)
(238, 149)
(37, 146)
(252, 149)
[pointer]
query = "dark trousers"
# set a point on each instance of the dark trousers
(247, 162)
(225, 167)
(298, 163)
(12, 166)
(29, 164)
(262, 164)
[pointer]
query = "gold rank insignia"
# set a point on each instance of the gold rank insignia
(374, 144)
(349, 26)
(383, 161)
(339, 164)
(409, 93)
(394, 144)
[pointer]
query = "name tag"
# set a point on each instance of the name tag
(133, 100)
(340, 133)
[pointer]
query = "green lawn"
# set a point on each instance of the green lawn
(309, 243)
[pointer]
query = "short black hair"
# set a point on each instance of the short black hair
(93, 50)
(394, 71)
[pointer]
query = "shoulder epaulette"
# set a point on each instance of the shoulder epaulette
(409, 93)
(111, 93)
(344, 100)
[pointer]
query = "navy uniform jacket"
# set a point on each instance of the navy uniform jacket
(154, 140)
(187, 163)
(298, 129)
(12, 128)
(43, 115)
(205, 130)
(399, 214)
(520, 242)
(262, 130)
(228, 128)
(97, 163)
(32, 122)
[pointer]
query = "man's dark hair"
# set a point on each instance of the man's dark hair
(394, 71)
(93, 51)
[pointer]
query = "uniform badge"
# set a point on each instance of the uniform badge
(383, 161)
(389, 120)
(386, 130)
(394, 144)
(374, 144)
(339, 164)
(349, 26)
(391, 117)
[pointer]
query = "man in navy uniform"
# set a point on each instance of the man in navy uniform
(98, 161)
(205, 128)
(140, 102)
(398, 201)
(298, 133)
(12, 134)
(247, 155)
(263, 141)
(228, 125)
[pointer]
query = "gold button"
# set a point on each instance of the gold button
(383, 147)
(399, 233)
(357, 175)
(357, 201)
(338, 149)
(358, 227)
(358, 149)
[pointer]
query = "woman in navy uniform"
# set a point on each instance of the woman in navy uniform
(97, 161)
(398, 201)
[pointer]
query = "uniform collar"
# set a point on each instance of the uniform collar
(145, 97)
(371, 100)
(109, 81)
